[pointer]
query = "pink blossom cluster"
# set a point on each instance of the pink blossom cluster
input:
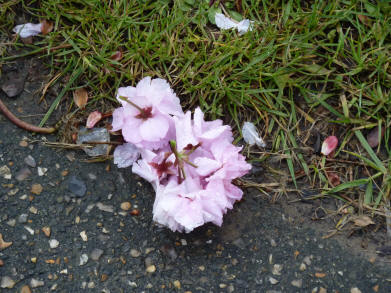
(190, 162)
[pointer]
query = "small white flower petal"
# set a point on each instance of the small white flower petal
(244, 26)
(28, 29)
(251, 136)
(125, 155)
(224, 22)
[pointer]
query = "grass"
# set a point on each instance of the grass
(308, 68)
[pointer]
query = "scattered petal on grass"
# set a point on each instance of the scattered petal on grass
(363, 221)
(251, 136)
(373, 137)
(28, 29)
(333, 179)
(225, 23)
(329, 144)
(80, 97)
(93, 118)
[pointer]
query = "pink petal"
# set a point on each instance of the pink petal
(155, 128)
(93, 118)
(130, 130)
(118, 119)
(329, 144)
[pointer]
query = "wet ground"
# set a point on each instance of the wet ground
(102, 239)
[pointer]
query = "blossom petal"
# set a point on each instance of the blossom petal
(28, 29)
(251, 136)
(93, 118)
(155, 128)
(329, 144)
(125, 155)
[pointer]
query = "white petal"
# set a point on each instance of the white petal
(28, 29)
(251, 136)
(224, 22)
(125, 155)
(244, 26)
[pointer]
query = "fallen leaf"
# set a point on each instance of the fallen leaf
(116, 56)
(93, 118)
(329, 144)
(4, 244)
(373, 137)
(333, 178)
(80, 97)
(363, 221)
(364, 19)
(46, 26)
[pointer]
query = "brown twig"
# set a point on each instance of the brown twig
(7, 113)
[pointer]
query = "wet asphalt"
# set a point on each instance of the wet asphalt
(104, 239)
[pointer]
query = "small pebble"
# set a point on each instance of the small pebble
(23, 174)
(76, 186)
(31, 231)
(34, 283)
(277, 268)
(23, 143)
(126, 206)
(135, 253)
(7, 282)
(33, 210)
(25, 289)
(297, 283)
(22, 218)
(11, 223)
(53, 243)
(96, 254)
(46, 230)
(91, 285)
(322, 290)
(307, 260)
(83, 259)
(33, 260)
(303, 267)
(151, 269)
(355, 290)
(177, 284)
(273, 281)
(36, 189)
(5, 172)
(4, 244)
(105, 208)
(42, 171)
(83, 236)
(30, 161)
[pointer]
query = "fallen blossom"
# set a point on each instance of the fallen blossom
(145, 117)
(329, 144)
(93, 118)
(225, 23)
(190, 162)
(251, 136)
